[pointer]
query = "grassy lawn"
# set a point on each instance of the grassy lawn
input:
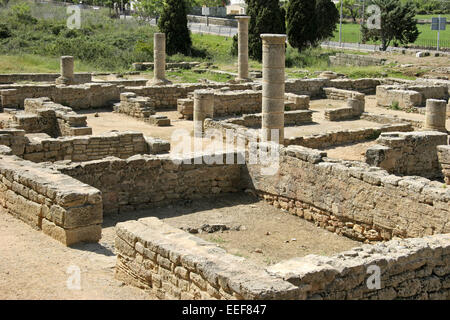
(427, 37)
(429, 16)
(28, 63)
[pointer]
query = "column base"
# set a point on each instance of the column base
(64, 81)
(158, 82)
(241, 80)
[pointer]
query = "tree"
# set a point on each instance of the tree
(327, 18)
(350, 9)
(173, 22)
(310, 21)
(266, 16)
(398, 24)
(148, 9)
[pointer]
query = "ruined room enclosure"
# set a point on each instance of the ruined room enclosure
(352, 171)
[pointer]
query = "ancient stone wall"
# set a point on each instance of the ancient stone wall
(345, 59)
(176, 265)
(143, 66)
(352, 198)
(145, 181)
(410, 153)
(41, 77)
(315, 87)
(63, 208)
(85, 96)
(167, 96)
(40, 148)
(291, 118)
(409, 96)
(444, 161)
(240, 102)
(44, 116)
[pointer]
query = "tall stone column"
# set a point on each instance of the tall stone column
(273, 86)
(203, 108)
(67, 75)
(243, 48)
(435, 115)
(159, 60)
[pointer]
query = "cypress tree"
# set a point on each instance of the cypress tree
(266, 16)
(173, 22)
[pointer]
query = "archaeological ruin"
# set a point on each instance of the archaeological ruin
(363, 160)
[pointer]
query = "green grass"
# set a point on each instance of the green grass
(429, 16)
(189, 76)
(28, 63)
(351, 33)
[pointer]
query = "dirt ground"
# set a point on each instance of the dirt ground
(266, 235)
(34, 266)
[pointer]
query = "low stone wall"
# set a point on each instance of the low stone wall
(444, 161)
(138, 107)
(352, 198)
(124, 82)
(340, 94)
(41, 77)
(409, 96)
(42, 148)
(167, 96)
(239, 102)
(328, 139)
(415, 269)
(143, 66)
(63, 208)
(291, 118)
(44, 116)
(142, 182)
(391, 119)
(410, 153)
(85, 148)
(86, 96)
(345, 59)
(355, 104)
(315, 87)
(316, 141)
(176, 265)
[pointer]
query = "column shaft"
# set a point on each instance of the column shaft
(273, 87)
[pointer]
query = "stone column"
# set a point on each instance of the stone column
(243, 48)
(67, 75)
(273, 86)
(435, 115)
(203, 108)
(159, 60)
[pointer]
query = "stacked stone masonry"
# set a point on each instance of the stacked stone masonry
(228, 102)
(79, 78)
(410, 153)
(144, 181)
(63, 208)
(353, 199)
(176, 265)
(444, 161)
(345, 59)
(77, 97)
(41, 148)
(409, 96)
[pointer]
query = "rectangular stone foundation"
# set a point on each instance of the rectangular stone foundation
(63, 208)
(176, 265)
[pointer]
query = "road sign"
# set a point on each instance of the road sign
(438, 23)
